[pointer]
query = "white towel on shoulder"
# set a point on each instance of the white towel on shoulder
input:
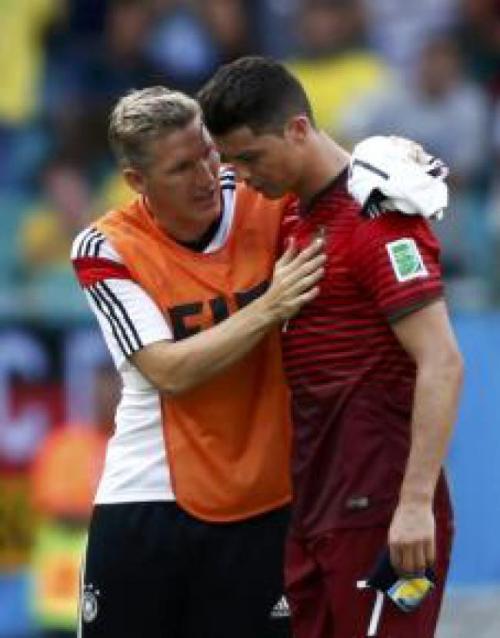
(393, 173)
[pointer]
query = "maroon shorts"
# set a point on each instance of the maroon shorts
(321, 581)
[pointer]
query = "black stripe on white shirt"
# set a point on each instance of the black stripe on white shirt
(93, 244)
(107, 312)
(98, 244)
(125, 321)
(90, 243)
(85, 239)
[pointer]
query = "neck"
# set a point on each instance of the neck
(179, 229)
(324, 161)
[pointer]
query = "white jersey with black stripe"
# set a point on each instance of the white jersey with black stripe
(136, 466)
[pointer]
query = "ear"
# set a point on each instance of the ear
(297, 129)
(135, 179)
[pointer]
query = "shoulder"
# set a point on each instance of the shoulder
(91, 242)
(397, 258)
(391, 226)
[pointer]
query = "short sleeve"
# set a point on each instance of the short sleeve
(128, 317)
(395, 259)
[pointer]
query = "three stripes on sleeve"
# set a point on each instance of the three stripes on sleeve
(112, 299)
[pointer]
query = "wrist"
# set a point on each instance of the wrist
(265, 312)
(416, 497)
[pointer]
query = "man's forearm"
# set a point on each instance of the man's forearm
(177, 367)
(435, 406)
(428, 338)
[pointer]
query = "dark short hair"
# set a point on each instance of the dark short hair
(252, 91)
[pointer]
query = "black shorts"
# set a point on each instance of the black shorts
(152, 570)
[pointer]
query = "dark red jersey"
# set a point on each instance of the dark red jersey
(352, 382)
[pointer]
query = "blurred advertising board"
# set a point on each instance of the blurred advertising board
(47, 379)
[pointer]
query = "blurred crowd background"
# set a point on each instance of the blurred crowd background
(424, 69)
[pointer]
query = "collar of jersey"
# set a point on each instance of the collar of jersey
(305, 208)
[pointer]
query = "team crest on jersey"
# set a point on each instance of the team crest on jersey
(90, 605)
(406, 260)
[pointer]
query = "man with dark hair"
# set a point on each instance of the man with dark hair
(229, 110)
(372, 363)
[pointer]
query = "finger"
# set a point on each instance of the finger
(407, 560)
(301, 300)
(414, 561)
(402, 559)
(430, 552)
(289, 254)
(313, 263)
(306, 282)
(295, 269)
(306, 297)
(296, 283)
(395, 555)
(419, 558)
(311, 250)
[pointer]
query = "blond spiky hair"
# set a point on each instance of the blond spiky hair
(142, 116)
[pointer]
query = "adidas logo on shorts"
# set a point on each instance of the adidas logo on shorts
(281, 609)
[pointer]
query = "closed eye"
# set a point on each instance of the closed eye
(181, 167)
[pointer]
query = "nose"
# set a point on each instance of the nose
(205, 175)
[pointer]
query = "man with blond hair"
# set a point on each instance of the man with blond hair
(187, 534)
